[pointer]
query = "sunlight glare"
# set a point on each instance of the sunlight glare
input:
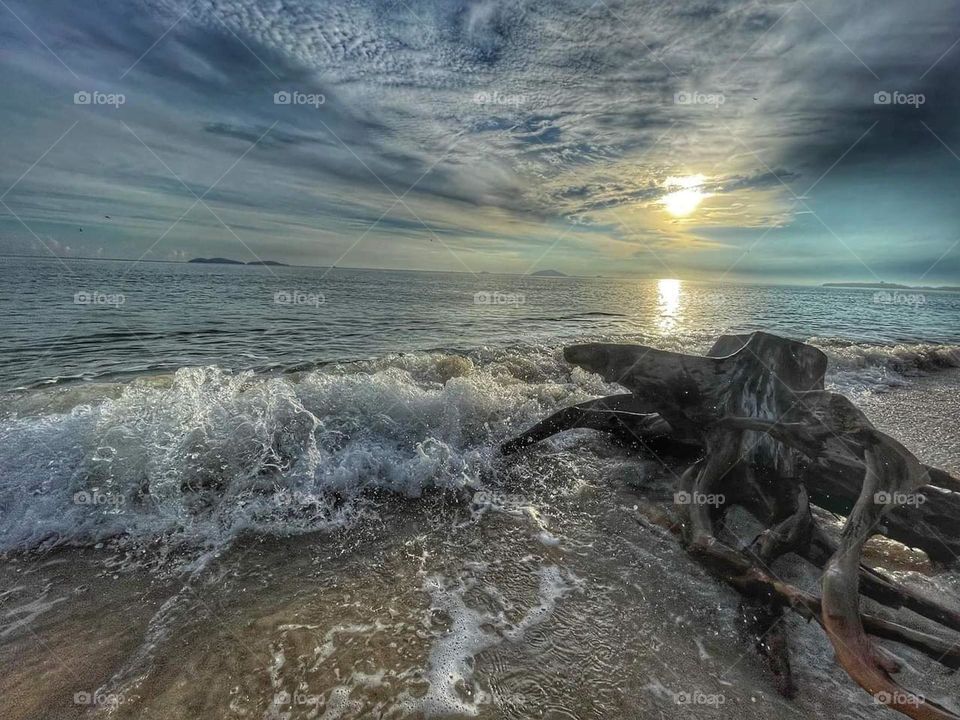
(668, 304)
(684, 196)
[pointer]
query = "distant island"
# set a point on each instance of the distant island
(228, 261)
(891, 286)
(548, 273)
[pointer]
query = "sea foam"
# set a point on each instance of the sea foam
(202, 455)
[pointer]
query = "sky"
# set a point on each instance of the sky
(803, 141)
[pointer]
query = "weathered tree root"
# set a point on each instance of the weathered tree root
(753, 581)
(622, 416)
(771, 440)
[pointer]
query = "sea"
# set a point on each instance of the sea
(232, 491)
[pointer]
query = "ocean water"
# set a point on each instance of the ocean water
(274, 492)
(87, 320)
(182, 397)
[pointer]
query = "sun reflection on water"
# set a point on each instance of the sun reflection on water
(668, 304)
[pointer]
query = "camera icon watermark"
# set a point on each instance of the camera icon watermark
(97, 498)
(693, 97)
(885, 297)
(295, 698)
(95, 97)
(98, 698)
(295, 97)
(698, 697)
(895, 97)
(95, 297)
(683, 497)
(885, 697)
(506, 501)
(298, 297)
(294, 499)
(487, 297)
(495, 97)
(899, 498)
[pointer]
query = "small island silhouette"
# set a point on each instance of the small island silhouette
(548, 273)
(228, 261)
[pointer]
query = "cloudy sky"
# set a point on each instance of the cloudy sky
(741, 140)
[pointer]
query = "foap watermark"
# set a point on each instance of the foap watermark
(698, 498)
(493, 297)
(97, 698)
(895, 97)
(885, 697)
(294, 498)
(97, 498)
(295, 97)
(495, 97)
(95, 97)
(295, 698)
(693, 97)
(885, 297)
(698, 697)
(500, 500)
(95, 297)
(298, 297)
(899, 498)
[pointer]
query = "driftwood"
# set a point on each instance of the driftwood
(625, 417)
(763, 434)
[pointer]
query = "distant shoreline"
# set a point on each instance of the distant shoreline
(273, 263)
(891, 286)
(485, 273)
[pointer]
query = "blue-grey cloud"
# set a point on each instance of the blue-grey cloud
(488, 128)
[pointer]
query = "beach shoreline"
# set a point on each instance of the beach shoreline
(543, 593)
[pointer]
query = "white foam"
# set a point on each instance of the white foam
(292, 694)
(202, 455)
(856, 368)
(451, 687)
(16, 617)
(451, 657)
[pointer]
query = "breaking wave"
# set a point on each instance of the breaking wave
(858, 367)
(202, 455)
(197, 457)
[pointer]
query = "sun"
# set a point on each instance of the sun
(682, 202)
(685, 194)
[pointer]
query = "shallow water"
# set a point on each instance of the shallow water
(539, 596)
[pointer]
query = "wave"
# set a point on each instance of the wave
(901, 358)
(196, 457)
(863, 367)
(201, 455)
(582, 315)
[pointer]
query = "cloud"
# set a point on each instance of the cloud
(492, 124)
